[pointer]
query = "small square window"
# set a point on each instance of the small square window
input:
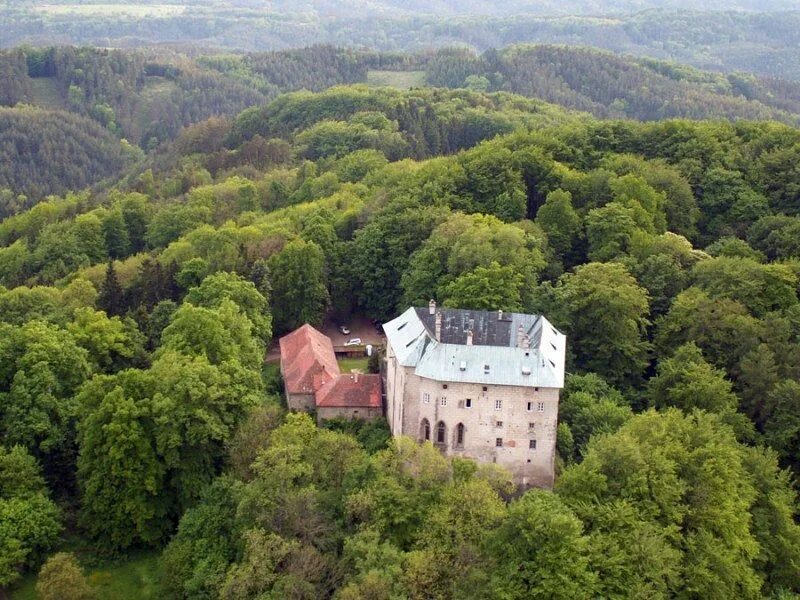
(485, 389)
(531, 426)
(444, 386)
(532, 444)
(498, 424)
(443, 401)
(540, 407)
(536, 389)
(468, 402)
(498, 404)
(498, 442)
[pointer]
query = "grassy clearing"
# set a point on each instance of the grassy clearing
(348, 364)
(136, 577)
(398, 79)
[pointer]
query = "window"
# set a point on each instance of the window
(485, 389)
(498, 424)
(441, 433)
(498, 404)
(486, 368)
(468, 403)
(530, 406)
(532, 444)
(444, 386)
(531, 426)
(536, 389)
(540, 407)
(498, 442)
(426, 398)
(460, 435)
(443, 401)
(424, 430)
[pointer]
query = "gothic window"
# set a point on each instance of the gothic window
(460, 435)
(425, 430)
(441, 433)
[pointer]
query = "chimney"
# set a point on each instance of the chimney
(526, 342)
(432, 307)
(438, 324)
(469, 338)
(500, 315)
(520, 336)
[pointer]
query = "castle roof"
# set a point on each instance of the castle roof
(351, 390)
(307, 360)
(487, 347)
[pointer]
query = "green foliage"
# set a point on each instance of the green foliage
(606, 315)
(29, 520)
(298, 279)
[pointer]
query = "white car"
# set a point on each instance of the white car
(344, 329)
(353, 342)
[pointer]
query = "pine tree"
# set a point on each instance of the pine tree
(111, 297)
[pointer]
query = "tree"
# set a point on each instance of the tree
(115, 232)
(685, 479)
(486, 288)
(243, 293)
(610, 231)
(299, 292)
(61, 578)
(111, 297)
(560, 222)
(540, 551)
(606, 313)
(782, 422)
(41, 369)
(29, 520)
(150, 441)
(686, 381)
(221, 335)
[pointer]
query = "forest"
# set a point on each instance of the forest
(138, 414)
(756, 36)
(144, 98)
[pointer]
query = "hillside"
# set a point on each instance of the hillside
(716, 37)
(49, 152)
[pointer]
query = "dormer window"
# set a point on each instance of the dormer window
(486, 368)
(463, 365)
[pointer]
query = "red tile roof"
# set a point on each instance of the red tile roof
(351, 390)
(307, 360)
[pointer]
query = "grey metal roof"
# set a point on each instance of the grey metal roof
(496, 355)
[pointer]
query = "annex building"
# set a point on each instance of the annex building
(313, 382)
(479, 384)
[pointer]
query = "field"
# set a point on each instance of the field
(112, 10)
(398, 79)
(137, 577)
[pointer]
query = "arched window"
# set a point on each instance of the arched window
(441, 433)
(424, 430)
(460, 435)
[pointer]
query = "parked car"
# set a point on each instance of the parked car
(353, 342)
(344, 329)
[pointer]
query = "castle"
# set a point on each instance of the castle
(478, 384)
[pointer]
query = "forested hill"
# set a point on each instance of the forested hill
(137, 412)
(757, 42)
(50, 152)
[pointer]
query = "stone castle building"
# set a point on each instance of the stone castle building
(478, 384)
